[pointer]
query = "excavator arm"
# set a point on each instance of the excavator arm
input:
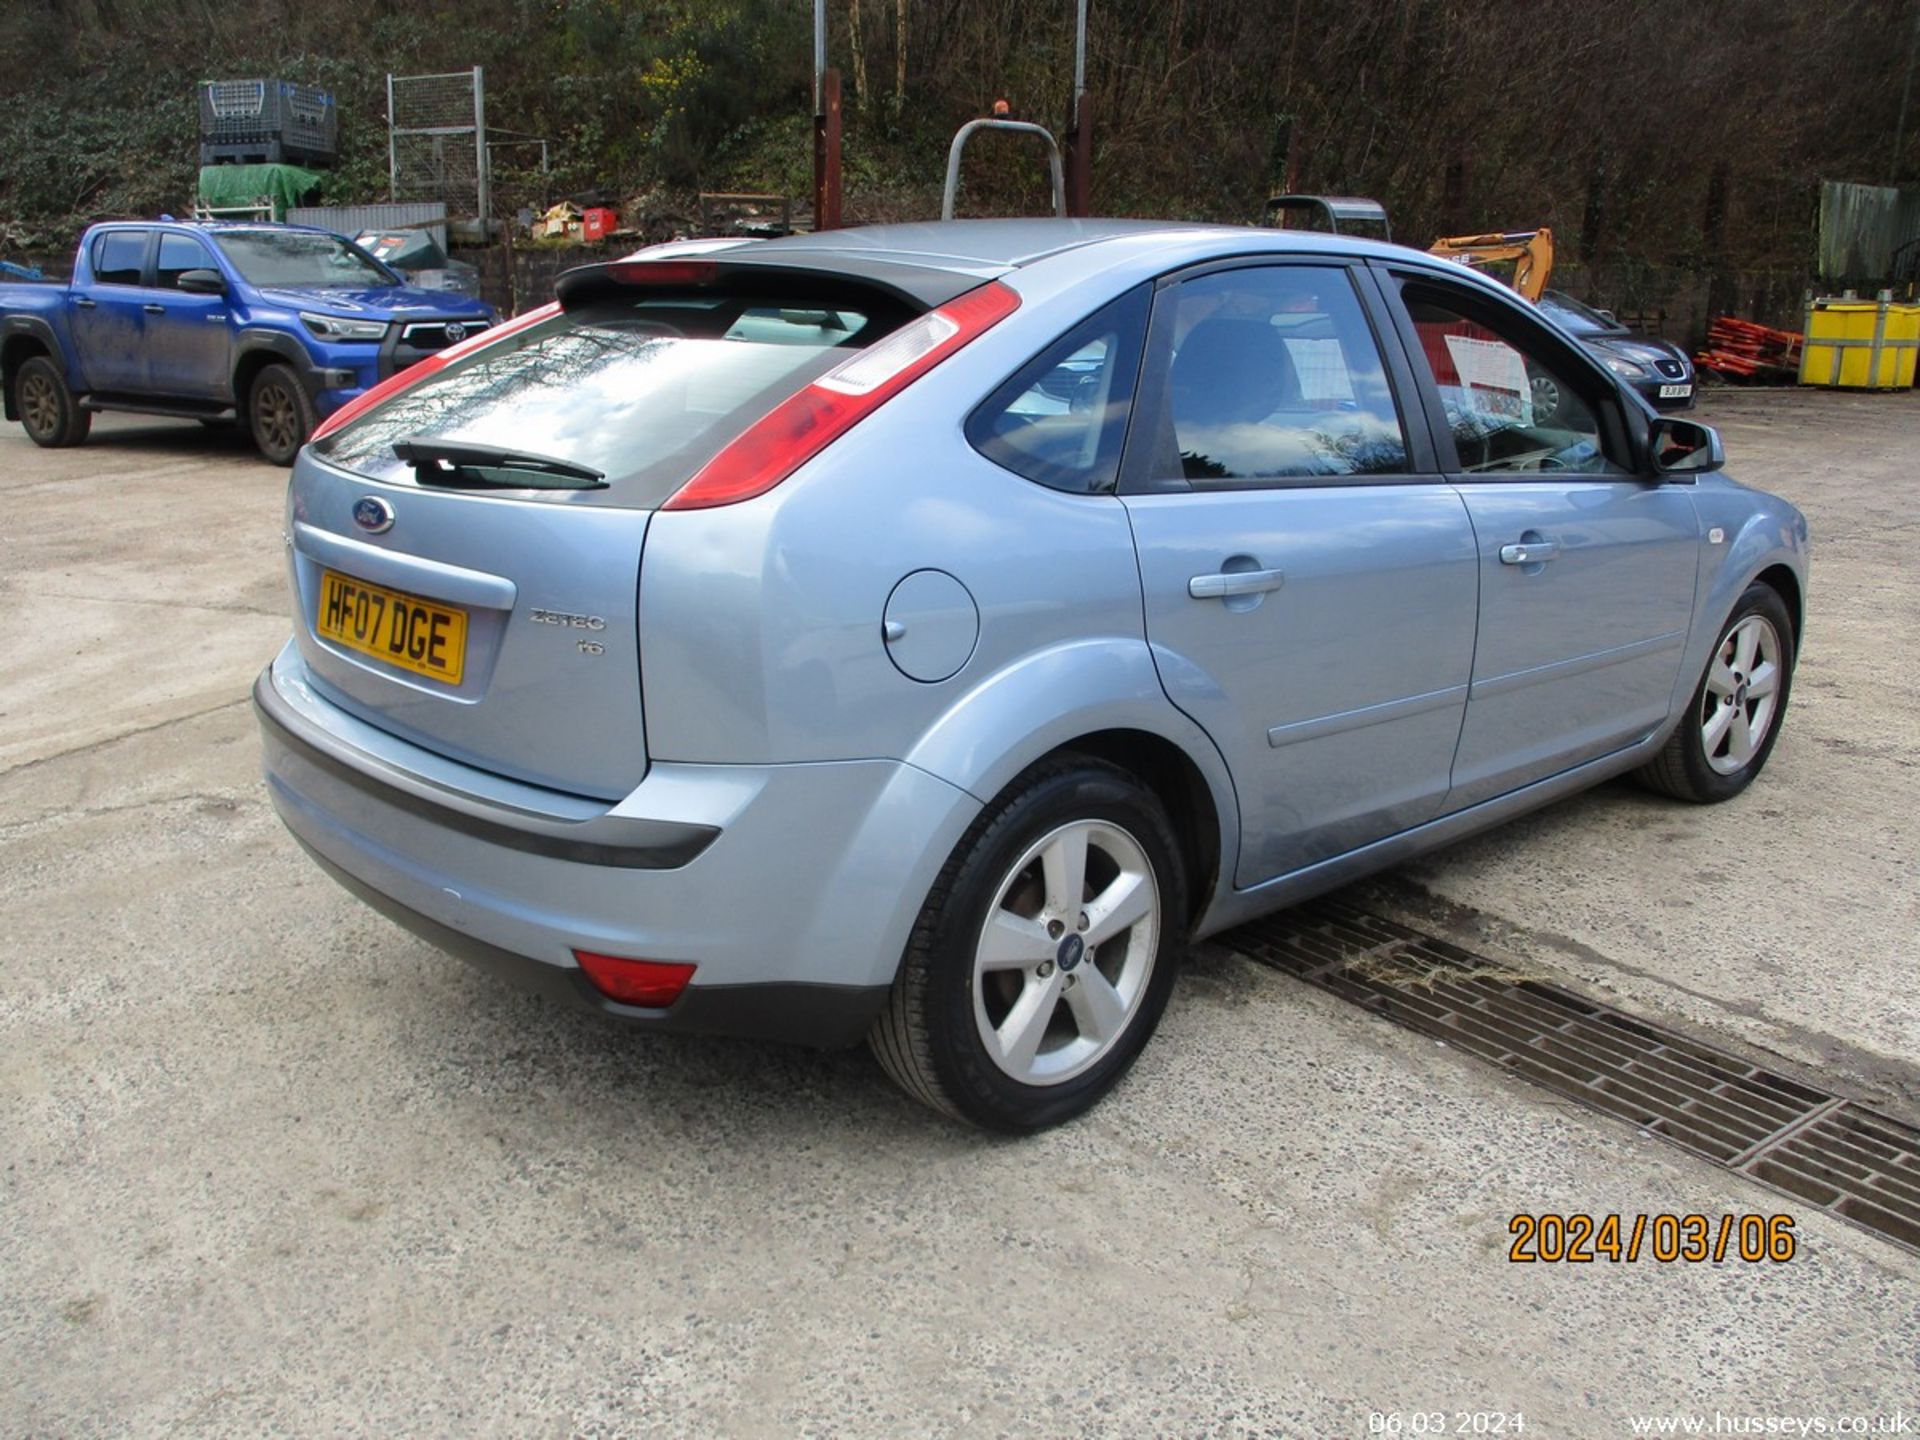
(1531, 252)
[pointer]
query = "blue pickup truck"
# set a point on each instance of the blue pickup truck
(275, 326)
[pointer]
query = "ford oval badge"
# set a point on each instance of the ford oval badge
(373, 515)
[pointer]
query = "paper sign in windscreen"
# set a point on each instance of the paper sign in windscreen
(1494, 377)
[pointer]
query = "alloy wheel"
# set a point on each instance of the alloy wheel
(1742, 694)
(276, 420)
(39, 404)
(1066, 953)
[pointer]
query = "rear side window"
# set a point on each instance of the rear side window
(119, 257)
(1274, 376)
(1061, 419)
(179, 254)
(643, 387)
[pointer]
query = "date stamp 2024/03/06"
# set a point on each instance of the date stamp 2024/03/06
(1582, 1239)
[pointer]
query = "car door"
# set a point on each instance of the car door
(188, 342)
(1587, 566)
(1309, 576)
(108, 317)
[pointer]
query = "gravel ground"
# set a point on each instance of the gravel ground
(272, 1166)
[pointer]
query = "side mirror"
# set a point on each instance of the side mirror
(1608, 316)
(1684, 447)
(201, 282)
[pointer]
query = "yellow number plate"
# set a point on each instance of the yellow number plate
(402, 630)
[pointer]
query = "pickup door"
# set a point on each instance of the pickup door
(188, 339)
(107, 316)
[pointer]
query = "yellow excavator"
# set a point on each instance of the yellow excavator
(1530, 251)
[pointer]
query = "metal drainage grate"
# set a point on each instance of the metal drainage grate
(1825, 1150)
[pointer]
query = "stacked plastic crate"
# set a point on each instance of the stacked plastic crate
(266, 122)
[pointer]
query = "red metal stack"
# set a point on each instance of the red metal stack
(1743, 350)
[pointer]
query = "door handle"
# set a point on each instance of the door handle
(154, 309)
(81, 302)
(1533, 552)
(1234, 582)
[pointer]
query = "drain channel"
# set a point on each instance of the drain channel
(1828, 1151)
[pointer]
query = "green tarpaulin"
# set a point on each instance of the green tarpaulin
(235, 186)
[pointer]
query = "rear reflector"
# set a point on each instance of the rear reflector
(803, 425)
(420, 370)
(654, 984)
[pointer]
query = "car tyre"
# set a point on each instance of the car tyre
(279, 413)
(48, 410)
(1043, 957)
(1735, 714)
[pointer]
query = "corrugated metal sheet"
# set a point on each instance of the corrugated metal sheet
(1860, 228)
(350, 220)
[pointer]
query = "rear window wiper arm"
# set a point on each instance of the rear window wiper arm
(452, 465)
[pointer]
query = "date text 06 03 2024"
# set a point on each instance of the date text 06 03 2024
(1579, 1239)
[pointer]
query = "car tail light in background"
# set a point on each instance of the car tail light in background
(419, 371)
(652, 984)
(803, 425)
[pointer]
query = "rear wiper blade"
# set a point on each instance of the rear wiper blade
(455, 466)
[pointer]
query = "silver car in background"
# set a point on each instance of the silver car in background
(924, 633)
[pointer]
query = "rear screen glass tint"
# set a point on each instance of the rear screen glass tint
(643, 388)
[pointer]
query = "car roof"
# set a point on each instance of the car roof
(986, 248)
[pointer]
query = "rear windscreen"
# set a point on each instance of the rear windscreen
(645, 387)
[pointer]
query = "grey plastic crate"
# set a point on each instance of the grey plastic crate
(267, 121)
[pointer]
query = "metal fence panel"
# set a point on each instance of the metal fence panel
(436, 140)
(350, 220)
(1860, 228)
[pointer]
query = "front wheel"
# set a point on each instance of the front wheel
(1044, 955)
(279, 413)
(48, 411)
(1734, 717)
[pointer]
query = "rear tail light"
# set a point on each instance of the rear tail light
(803, 425)
(653, 984)
(419, 371)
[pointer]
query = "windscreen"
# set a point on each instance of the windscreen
(642, 387)
(291, 257)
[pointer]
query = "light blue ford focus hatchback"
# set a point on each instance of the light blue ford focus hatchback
(924, 633)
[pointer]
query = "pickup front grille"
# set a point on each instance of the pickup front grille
(438, 334)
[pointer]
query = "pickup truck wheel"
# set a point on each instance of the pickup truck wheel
(47, 409)
(280, 414)
(1044, 955)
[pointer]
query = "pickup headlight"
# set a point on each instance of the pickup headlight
(337, 327)
(1626, 369)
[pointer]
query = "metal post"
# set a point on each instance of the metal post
(483, 197)
(826, 155)
(1079, 186)
(819, 59)
(393, 146)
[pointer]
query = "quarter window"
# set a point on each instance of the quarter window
(1508, 409)
(119, 256)
(1060, 420)
(1275, 375)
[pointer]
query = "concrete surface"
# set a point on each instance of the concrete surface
(271, 1166)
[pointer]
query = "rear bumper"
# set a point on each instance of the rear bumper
(791, 888)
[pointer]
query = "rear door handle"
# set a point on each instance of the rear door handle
(154, 309)
(82, 303)
(1533, 552)
(1234, 582)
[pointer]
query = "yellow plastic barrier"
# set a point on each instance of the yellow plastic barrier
(1860, 344)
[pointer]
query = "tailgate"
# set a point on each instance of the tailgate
(496, 630)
